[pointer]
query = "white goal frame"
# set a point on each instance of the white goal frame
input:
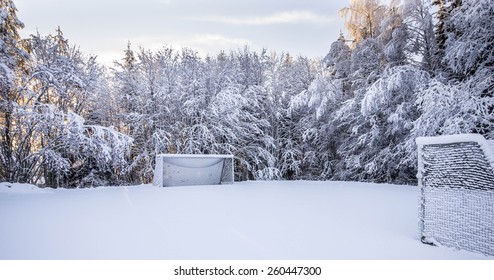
(187, 169)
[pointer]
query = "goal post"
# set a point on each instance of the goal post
(188, 169)
(456, 180)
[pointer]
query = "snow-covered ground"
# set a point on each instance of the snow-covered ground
(248, 220)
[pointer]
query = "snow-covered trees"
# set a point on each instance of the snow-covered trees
(338, 58)
(404, 80)
(468, 47)
(363, 18)
(389, 110)
(176, 102)
(48, 88)
(64, 89)
(67, 121)
(13, 69)
(421, 44)
(462, 99)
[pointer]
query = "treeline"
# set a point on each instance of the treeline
(405, 70)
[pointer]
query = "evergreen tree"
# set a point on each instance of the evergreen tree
(443, 27)
(394, 36)
(338, 58)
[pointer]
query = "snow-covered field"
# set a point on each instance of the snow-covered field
(248, 220)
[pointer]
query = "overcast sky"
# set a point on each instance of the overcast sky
(103, 27)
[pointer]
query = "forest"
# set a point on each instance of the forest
(401, 70)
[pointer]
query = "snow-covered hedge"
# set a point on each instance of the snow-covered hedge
(456, 176)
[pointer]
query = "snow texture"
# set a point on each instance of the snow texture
(457, 192)
(188, 169)
(248, 220)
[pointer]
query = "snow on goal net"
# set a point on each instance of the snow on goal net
(185, 169)
(456, 177)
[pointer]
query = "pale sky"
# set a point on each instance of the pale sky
(103, 27)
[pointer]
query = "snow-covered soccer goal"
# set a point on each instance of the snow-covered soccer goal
(456, 177)
(185, 169)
